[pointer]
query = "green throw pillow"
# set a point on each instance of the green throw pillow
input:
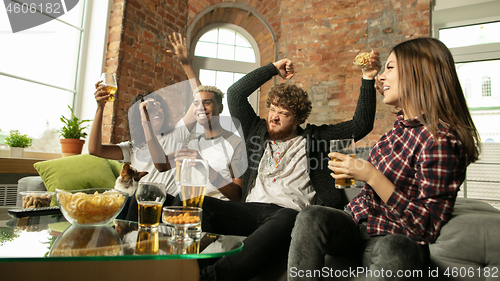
(76, 172)
(116, 167)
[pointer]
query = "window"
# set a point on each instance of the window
(222, 55)
(470, 30)
(39, 77)
(486, 86)
(42, 71)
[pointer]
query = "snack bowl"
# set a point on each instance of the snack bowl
(94, 206)
(36, 199)
(180, 218)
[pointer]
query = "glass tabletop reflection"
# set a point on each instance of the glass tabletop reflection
(48, 238)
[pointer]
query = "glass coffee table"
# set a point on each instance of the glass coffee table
(122, 251)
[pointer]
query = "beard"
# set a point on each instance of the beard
(282, 133)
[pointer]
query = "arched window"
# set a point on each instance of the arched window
(486, 86)
(222, 54)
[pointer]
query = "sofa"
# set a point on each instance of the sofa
(468, 247)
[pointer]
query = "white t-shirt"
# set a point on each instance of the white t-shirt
(283, 178)
(225, 153)
(140, 157)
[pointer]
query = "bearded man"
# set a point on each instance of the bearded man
(287, 169)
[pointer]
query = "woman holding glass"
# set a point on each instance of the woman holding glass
(412, 175)
(152, 137)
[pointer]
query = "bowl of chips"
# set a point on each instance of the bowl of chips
(95, 206)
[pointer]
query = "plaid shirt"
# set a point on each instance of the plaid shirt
(427, 173)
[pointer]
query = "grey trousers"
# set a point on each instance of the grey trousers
(321, 230)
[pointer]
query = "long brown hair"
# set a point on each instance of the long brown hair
(429, 84)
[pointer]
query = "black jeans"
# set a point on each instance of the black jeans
(267, 227)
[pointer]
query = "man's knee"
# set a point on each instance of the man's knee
(397, 249)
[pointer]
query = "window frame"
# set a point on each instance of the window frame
(226, 65)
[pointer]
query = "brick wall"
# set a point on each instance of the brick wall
(138, 41)
(321, 37)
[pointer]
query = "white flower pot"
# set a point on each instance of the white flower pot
(16, 152)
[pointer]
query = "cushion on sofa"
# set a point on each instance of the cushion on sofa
(76, 172)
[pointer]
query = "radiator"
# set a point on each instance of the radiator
(8, 194)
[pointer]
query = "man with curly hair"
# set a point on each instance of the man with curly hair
(287, 169)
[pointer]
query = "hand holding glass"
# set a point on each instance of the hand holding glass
(347, 147)
(150, 197)
(109, 80)
(193, 180)
(178, 164)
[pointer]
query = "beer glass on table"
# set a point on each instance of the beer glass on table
(150, 197)
(194, 180)
(109, 80)
(347, 147)
(147, 241)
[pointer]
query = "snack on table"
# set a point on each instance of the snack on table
(362, 59)
(94, 208)
(36, 199)
(182, 219)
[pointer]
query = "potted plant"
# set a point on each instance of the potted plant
(17, 143)
(73, 135)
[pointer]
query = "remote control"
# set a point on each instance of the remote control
(32, 212)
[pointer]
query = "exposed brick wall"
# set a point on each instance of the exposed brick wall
(321, 37)
(138, 41)
(242, 14)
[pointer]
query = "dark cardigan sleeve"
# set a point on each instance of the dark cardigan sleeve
(237, 96)
(358, 127)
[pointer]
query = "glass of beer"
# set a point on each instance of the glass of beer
(109, 79)
(347, 147)
(148, 242)
(194, 180)
(178, 164)
(150, 197)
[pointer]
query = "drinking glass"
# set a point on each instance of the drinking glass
(344, 146)
(147, 241)
(193, 180)
(109, 80)
(150, 197)
(178, 164)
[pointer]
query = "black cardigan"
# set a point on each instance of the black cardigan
(318, 137)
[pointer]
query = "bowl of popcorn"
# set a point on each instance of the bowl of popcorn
(181, 218)
(36, 199)
(95, 206)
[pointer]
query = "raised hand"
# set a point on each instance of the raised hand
(101, 95)
(372, 69)
(180, 47)
(149, 108)
(285, 68)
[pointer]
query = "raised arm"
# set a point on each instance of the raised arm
(162, 161)
(109, 151)
(180, 52)
(238, 93)
(362, 121)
